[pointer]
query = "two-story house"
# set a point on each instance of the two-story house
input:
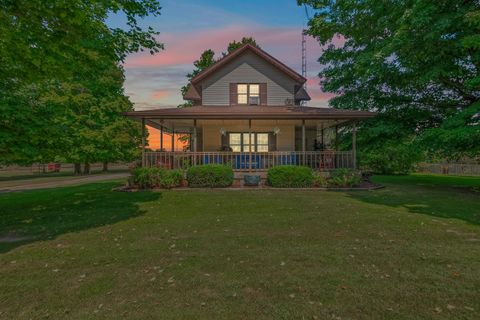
(248, 113)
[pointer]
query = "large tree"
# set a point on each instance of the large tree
(61, 76)
(415, 62)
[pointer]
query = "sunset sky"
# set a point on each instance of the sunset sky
(189, 27)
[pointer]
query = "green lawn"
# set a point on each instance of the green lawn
(409, 251)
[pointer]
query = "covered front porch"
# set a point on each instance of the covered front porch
(251, 138)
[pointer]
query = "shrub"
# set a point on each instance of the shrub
(148, 178)
(290, 177)
(390, 159)
(171, 179)
(345, 178)
(320, 180)
(210, 176)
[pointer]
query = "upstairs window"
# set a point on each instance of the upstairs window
(248, 94)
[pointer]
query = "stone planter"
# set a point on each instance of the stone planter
(251, 180)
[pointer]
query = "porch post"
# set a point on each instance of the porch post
(323, 140)
(194, 142)
(336, 137)
(354, 145)
(173, 138)
(250, 142)
(304, 145)
(161, 138)
(143, 142)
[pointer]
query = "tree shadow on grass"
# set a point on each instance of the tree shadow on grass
(420, 195)
(45, 214)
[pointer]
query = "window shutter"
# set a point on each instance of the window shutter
(263, 94)
(272, 142)
(233, 94)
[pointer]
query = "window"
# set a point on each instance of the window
(242, 142)
(248, 94)
(262, 142)
(235, 142)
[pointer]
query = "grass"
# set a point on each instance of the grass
(409, 251)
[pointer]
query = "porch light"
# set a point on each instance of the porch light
(223, 131)
(276, 130)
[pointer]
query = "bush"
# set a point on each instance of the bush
(210, 176)
(319, 180)
(149, 178)
(290, 177)
(345, 178)
(390, 159)
(171, 179)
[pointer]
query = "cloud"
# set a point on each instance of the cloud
(160, 94)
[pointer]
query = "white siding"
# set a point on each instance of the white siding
(247, 68)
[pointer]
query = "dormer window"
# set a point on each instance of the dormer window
(248, 94)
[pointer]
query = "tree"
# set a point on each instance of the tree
(57, 82)
(415, 62)
(207, 58)
(234, 45)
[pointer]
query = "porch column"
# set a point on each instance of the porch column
(336, 137)
(173, 138)
(194, 142)
(161, 138)
(323, 140)
(251, 144)
(304, 144)
(354, 145)
(143, 142)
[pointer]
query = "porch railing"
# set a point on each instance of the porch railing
(255, 161)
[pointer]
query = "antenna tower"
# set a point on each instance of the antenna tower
(304, 52)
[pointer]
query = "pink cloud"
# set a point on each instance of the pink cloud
(160, 94)
(185, 47)
(318, 95)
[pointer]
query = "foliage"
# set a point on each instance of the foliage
(417, 63)
(320, 180)
(149, 178)
(457, 137)
(62, 81)
(390, 158)
(210, 176)
(232, 46)
(345, 178)
(207, 58)
(171, 179)
(290, 176)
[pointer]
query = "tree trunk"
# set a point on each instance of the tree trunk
(105, 166)
(86, 168)
(44, 170)
(77, 169)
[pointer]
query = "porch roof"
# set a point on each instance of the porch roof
(251, 113)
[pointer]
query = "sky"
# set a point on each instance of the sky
(189, 27)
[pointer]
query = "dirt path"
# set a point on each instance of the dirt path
(16, 185)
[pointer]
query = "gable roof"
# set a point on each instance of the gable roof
(192, 93)
(248, 48)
